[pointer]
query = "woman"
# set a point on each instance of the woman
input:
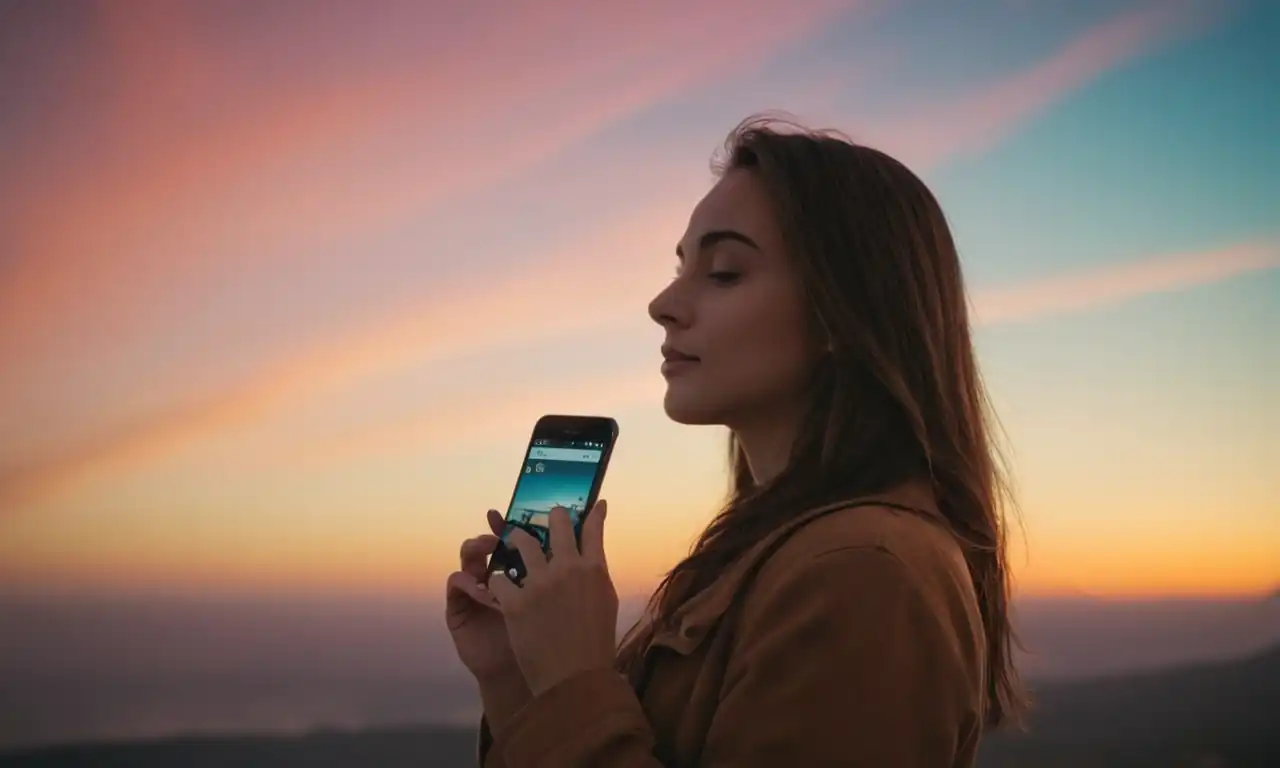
(850, 603)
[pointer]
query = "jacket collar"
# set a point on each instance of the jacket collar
(704, 610)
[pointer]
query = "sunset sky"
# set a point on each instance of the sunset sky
(284, 286)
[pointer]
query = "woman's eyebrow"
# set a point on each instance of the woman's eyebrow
(710, 238)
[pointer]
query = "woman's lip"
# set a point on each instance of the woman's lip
(676, 366)
(670, 352)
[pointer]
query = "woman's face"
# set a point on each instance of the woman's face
(738, 344)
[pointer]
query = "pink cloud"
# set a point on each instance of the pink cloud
(492, 311)
(1115, 283)
(199, 165)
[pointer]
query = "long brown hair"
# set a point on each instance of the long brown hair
(898, 399)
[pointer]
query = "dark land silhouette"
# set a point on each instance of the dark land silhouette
(1209, 715)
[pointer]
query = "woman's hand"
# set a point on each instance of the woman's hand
(476, 625)
(563, 618)
(480, 633)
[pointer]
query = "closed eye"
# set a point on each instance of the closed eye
(724, 277)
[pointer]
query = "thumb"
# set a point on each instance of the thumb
(496, 522)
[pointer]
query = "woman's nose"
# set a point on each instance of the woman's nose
(665, 309)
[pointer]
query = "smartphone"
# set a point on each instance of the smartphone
(563, 466)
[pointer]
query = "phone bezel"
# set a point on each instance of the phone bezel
(601, 429)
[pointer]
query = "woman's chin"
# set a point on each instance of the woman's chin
(685, 407)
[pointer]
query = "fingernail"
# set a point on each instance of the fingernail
(480, 585)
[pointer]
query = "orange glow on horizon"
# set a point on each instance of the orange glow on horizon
(382, 562)
(408, 580)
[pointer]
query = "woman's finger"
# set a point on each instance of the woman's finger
(496, 523)
(563, 543)
(530, 549)
(461, 589)
(593, 532)
(475, 555)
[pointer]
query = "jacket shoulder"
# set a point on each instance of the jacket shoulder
(908, 550)
(920, 539)
(872, 603)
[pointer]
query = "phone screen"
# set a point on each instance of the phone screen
(557, 473)
(563, 467)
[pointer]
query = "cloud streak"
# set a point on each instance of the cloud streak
(980, 120)
(458, 425)
(461, 317)
(245, 171)
(1116, 283)
(330, 368)
(1053, 296)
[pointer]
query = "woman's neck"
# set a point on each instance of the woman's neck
(767, 444)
